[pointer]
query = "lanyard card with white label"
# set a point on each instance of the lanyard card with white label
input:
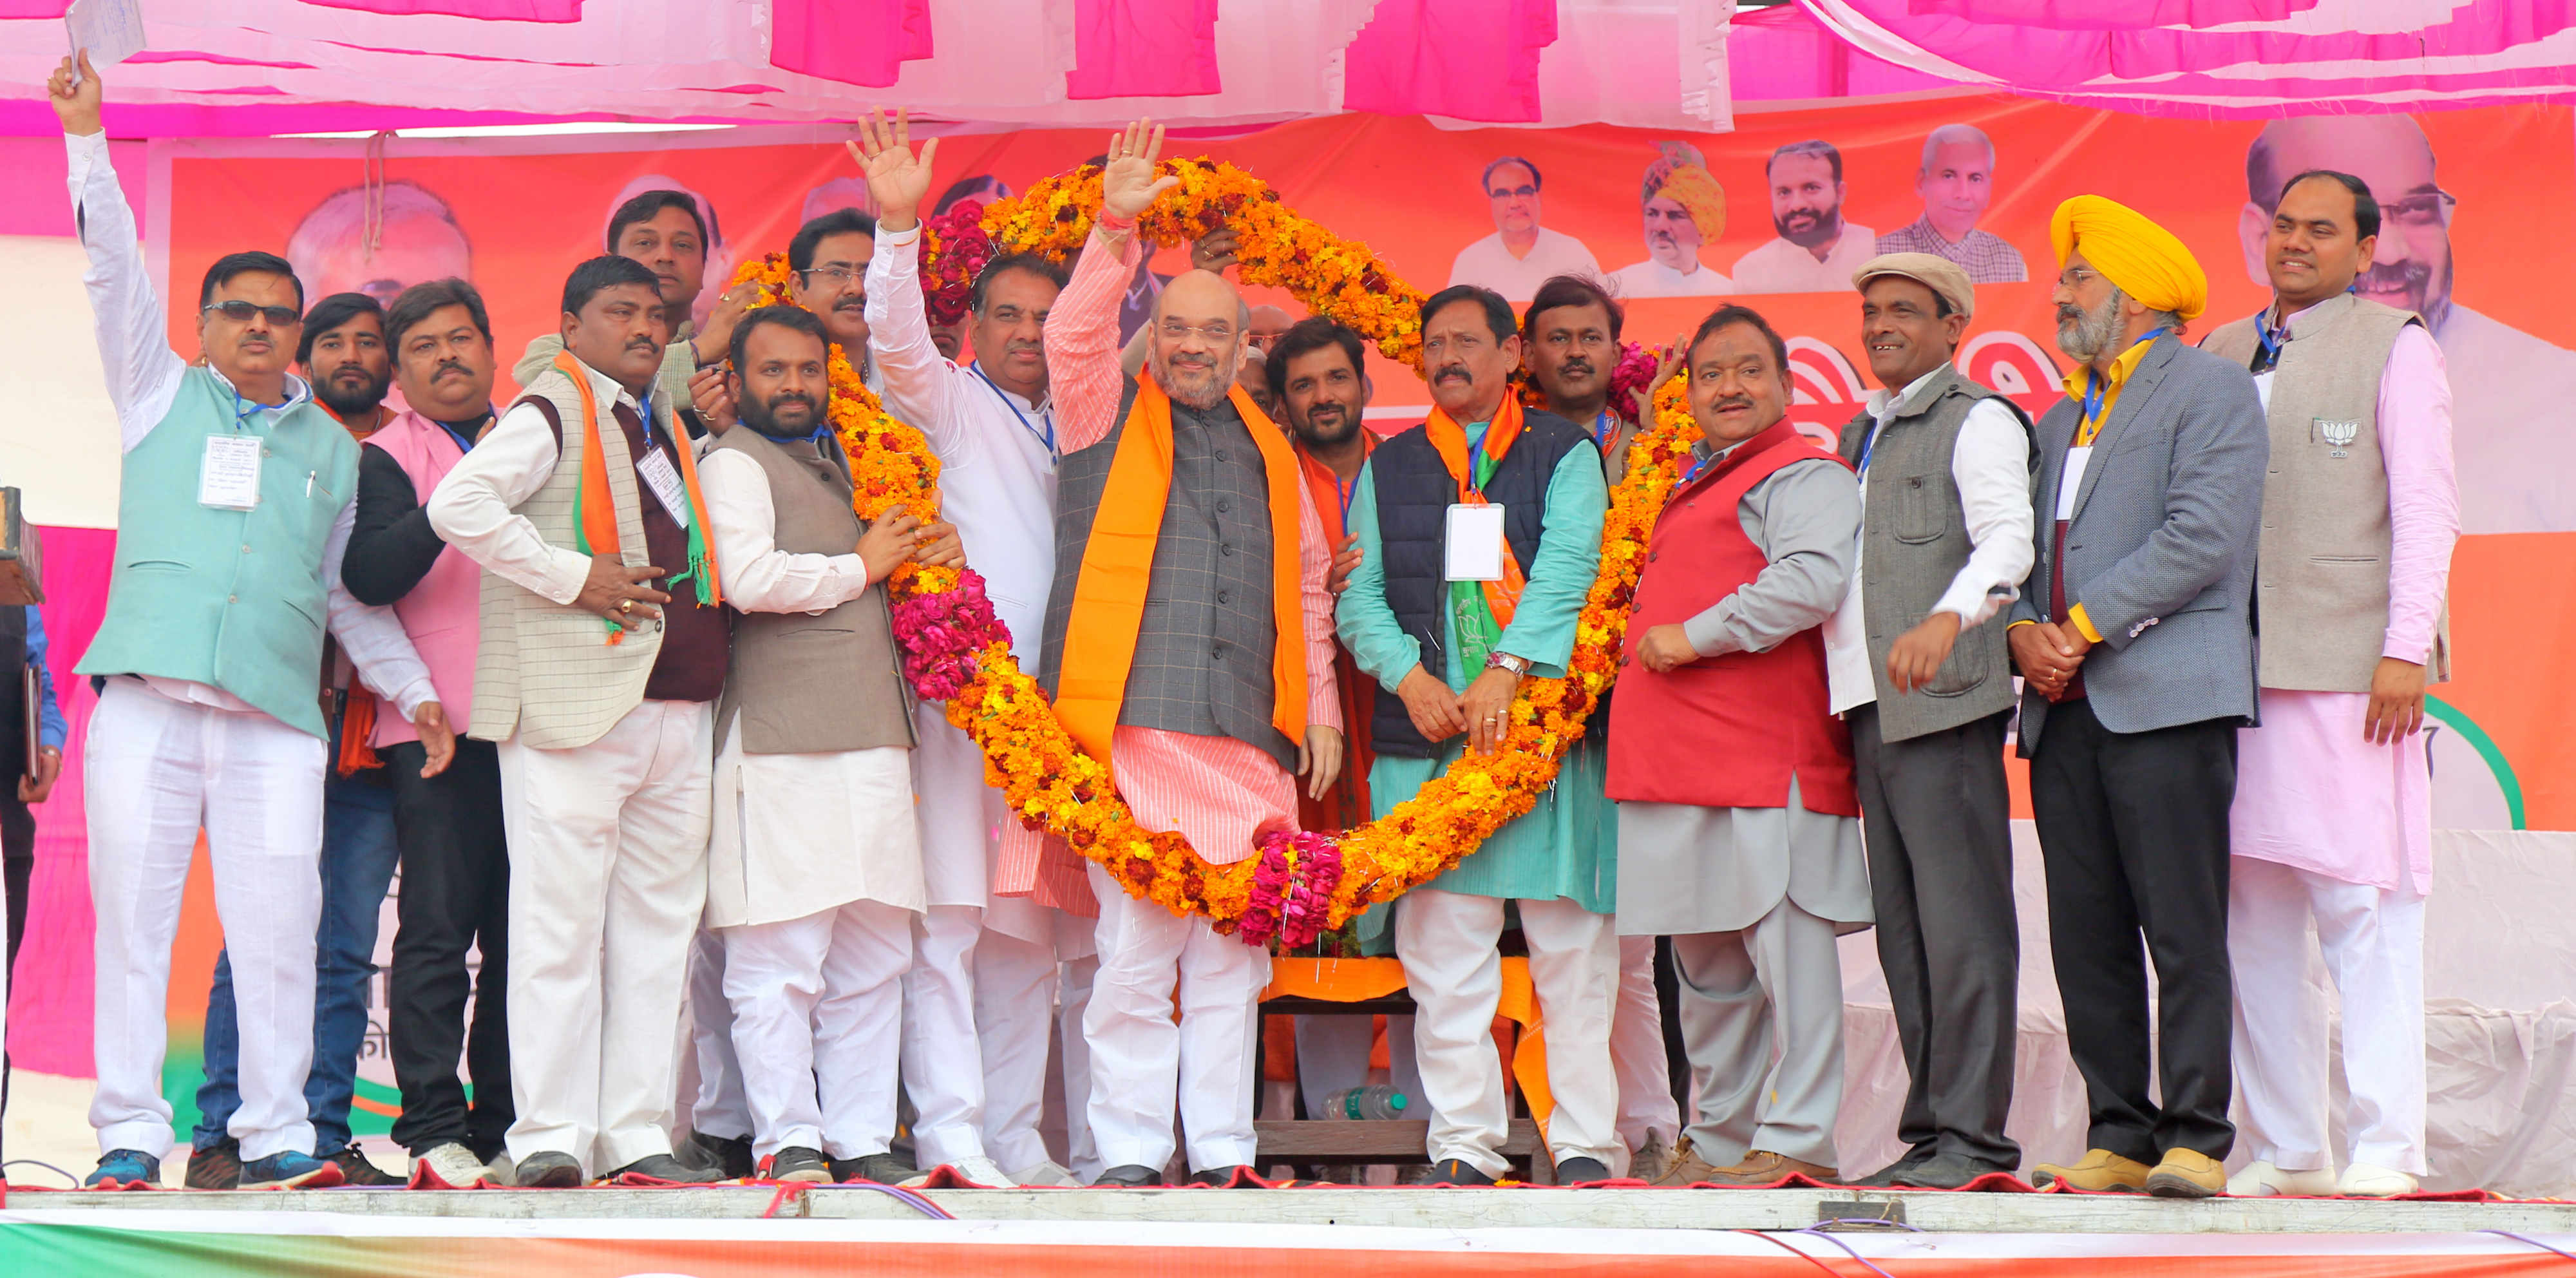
(1475, 542)
(664, 479)
(228, 478)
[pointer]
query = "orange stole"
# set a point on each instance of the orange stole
(1118, 567)
(1502, 597)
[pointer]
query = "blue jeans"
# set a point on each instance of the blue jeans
(358, 855)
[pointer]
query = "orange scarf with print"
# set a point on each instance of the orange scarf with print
(1118, 566)
(595, 511)
(1503, 597)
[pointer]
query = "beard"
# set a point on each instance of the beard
(763, 416)
(1809, 228)
(2084, 335)
(347, 400)
(1340, 424)
(1201, 387)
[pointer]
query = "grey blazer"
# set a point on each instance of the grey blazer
(2160, 550)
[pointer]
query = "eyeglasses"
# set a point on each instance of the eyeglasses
(1507, 192)
(837, 275)
(2423, 210)
(241, 312)
(1218, 334)
(2074, 277)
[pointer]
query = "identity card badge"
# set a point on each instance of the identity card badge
(1475, 542)
(664, 479)
(229, 477)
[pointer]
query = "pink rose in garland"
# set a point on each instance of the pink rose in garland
(955, 249)
(942, 633)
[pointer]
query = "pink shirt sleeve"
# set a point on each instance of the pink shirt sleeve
(1082, 338)
(2423, 492)
(1314, 560)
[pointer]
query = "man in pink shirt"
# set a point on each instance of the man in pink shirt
(2332, 819)
(1204, 678)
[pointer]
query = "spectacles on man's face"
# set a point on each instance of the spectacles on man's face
(1523, 191)
(1217, 334)
(241, 312)
(2421, 210)
(838, 275)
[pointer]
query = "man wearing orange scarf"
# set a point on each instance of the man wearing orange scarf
(601, 657)
(1189, 646)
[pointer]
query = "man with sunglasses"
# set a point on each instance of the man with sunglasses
(1520, 254)
(238, 498)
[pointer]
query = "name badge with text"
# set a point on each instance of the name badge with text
(229, 477)
(1475, 542)
(664, 479)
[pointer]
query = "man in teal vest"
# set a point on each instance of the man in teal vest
(237, 502)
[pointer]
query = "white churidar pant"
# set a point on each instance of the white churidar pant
(1646, 1103)
(720, 1109)
(817, 1009)
(1446, 941)
(1075, 979)
(608, 874)
(157, 769)
(1140, 1059)
(943, 1065)
(1019, 984)
(2373, 944)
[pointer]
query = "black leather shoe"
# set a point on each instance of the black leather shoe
(880, 1169)
(1886, 1176)
(1130, 1176)
(668, 1169)
(1581, 1171)
(730, 1155)
(1457, 1171)
(549, 1170)
(798, 1163)
(1947, 1171)
(1222, 1177)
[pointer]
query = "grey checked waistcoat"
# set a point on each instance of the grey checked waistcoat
(1203, 652)
(1914, 537)
(2321, 581)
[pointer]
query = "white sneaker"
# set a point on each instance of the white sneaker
(982, 1172)
(2361, 1180)
(2261, 1179)
(1049, 1174)
(449, 1166)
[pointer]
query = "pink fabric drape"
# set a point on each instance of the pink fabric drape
(861, 42)
(1465, 59)
(1143, 49)
(2092, 15)
(49, 992)
(487, 10)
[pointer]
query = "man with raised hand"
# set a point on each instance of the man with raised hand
(1516, 499)
(602, 703)
(1917, 668)
(2360, 511)
(2136, 649)
(979, 996)
(663, 231)
(237, 495)
(1188, 646)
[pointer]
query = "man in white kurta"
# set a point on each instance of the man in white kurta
(814, 870)
(984, 983)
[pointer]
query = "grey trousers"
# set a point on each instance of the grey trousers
(1775, 986)
(1938, 821)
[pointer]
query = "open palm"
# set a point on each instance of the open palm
(897, 179)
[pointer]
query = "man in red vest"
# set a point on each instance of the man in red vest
(1739, 830)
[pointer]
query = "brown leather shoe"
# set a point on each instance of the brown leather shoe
(2187, 1173)
(1762, 1167)
(2099, 1171)
(1684, 1168)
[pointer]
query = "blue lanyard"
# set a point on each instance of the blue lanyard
(1695, 468)
(1047, 436)
(2093, 383)
(464, 444)
(1868, 445)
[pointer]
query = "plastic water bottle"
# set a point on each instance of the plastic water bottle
(1374, 1101)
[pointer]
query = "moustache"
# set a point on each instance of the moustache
(642, 344)
(1024, 348)
(1578, 366)
(850, 304)
(1451, 372)
(2069, 315)
(351, 373)
(777, 402)
(447, 366)
(1804, 217)
(1733, 401)
(2395, 277)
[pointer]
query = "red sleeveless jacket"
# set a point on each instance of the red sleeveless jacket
(1729, 731)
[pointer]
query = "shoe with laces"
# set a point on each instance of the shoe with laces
(357, 1169)
(982, 1172)
(289, 1169)
(450, 1166)
(125, 1169)
(217, 1166)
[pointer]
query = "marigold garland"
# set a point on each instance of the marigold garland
(1298, 883)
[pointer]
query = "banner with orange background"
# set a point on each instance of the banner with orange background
(2481, 203)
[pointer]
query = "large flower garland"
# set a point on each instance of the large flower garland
(1300, 883)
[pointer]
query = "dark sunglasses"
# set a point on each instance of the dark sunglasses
(241, 312)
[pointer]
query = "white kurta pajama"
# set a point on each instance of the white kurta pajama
(814, 871)
(2333, 830)
(967, 1060)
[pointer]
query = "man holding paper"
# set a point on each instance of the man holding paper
(1479, 535)
(238, 494)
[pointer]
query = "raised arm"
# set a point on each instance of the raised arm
(133, 324)
(1082, 330)
(918, 379)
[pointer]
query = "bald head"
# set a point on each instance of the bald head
(1268, 324)
(2411, 266)
(1200, 321)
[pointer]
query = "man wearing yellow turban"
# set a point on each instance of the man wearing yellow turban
(1684, 209)
(2135, 643)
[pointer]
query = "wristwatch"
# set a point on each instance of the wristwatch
(1506, 661)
